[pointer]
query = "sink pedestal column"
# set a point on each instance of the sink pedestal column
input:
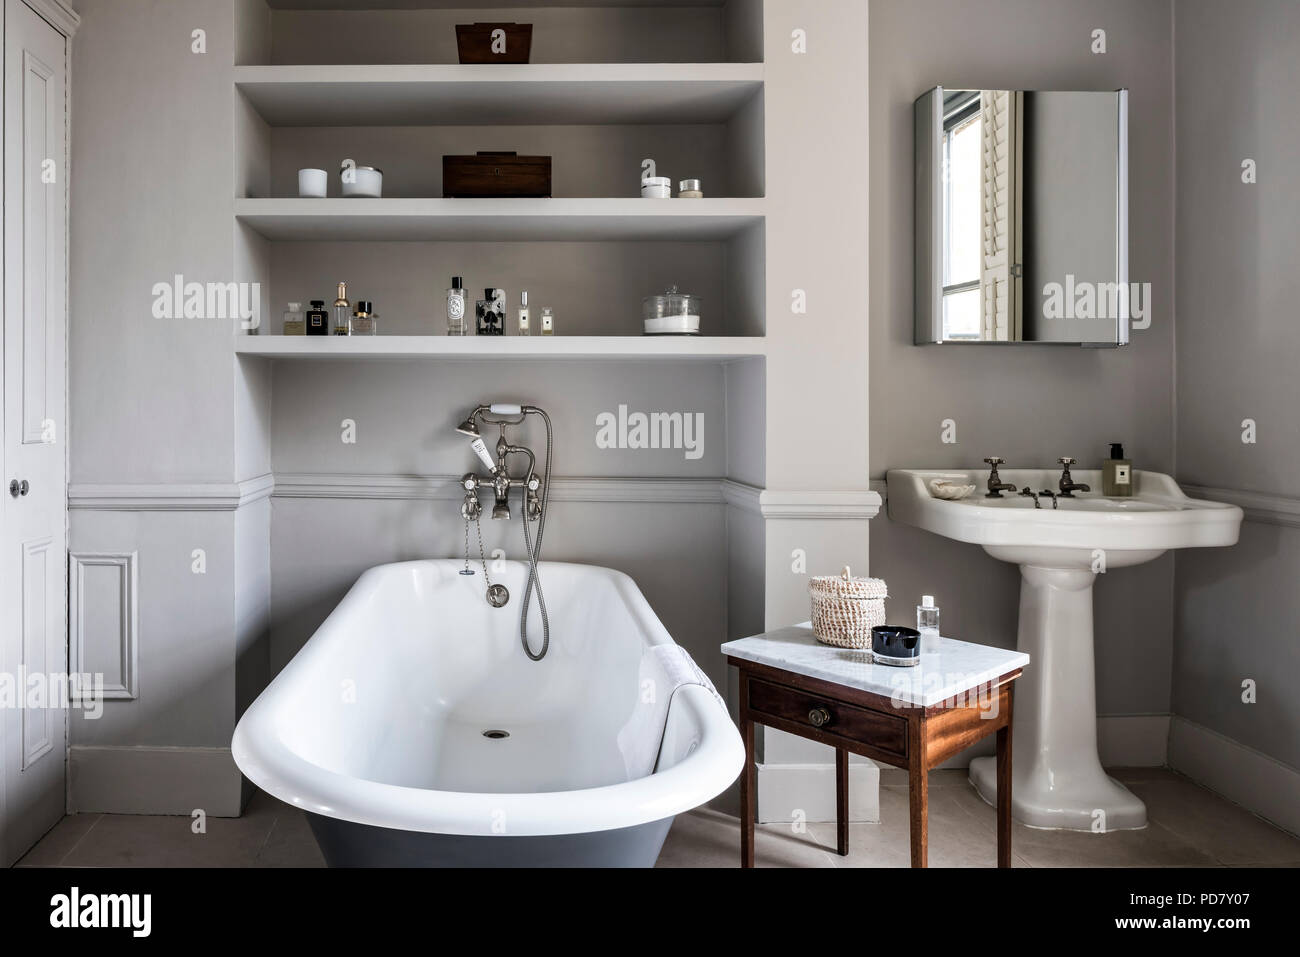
(1057, 779)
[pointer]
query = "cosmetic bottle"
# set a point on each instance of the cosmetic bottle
(927, 620)
(548, 321)
(318, 320)
(364, 321)
(1117, 473)
(342, 312)
(525, 318)
(457, 325)
(294, 323)
(490, 313)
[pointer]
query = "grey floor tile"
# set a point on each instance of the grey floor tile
(959, 833)
(1228, 833)
(711, 839)
(62, 838)
(124, 840)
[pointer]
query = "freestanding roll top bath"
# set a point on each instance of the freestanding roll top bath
(414, 731)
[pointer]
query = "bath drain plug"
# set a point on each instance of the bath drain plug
(494, 734)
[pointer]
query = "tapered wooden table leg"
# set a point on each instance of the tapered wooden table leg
(841, 802)
(918, 792)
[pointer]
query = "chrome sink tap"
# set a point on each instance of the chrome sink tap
(1068, 485)
(996, 485)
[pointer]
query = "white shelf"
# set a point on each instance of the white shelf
(712, 348)
(538, 94)
(462, 4)
(471, 220)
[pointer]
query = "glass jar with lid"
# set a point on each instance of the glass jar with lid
(672, 314)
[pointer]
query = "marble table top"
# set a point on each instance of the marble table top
(949, 668)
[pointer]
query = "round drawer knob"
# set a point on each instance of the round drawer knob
(819, 717)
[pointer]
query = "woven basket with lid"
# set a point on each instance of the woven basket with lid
(845, 609)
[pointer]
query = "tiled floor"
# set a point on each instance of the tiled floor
(1189, 826)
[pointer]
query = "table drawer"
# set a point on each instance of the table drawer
(884, 731)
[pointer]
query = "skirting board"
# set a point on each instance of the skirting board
(1243, 775)
(784, 789)
(114, 780)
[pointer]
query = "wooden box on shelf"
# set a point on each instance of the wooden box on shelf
(493, 175)
(476, 43)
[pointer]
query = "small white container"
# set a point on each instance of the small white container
(312, 182)
(657, 187)
(365, 181)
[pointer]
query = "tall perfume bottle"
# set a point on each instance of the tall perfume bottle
(318, 320)
(457, 323)
(525, 318)
(342, 312)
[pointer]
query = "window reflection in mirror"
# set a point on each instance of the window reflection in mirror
(1020, 193)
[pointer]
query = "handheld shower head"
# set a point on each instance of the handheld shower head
(469, 427)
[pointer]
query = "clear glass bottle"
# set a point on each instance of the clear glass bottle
(294, 322)
(342, 312)
(525, 317)
(927, 620)
(457, 322)
(548, 321)
(365, 322)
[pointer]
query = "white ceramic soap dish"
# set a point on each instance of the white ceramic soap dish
(949, 491)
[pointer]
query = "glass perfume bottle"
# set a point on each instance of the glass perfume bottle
(342, 312)
(490, 313)
(457, 323)
(365, 322)
(525, 318)
(548, 321)
(294, 323)
(318, 320)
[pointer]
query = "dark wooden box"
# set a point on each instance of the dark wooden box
(474, 42)
(491, 175)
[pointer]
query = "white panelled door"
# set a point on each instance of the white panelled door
(33, 487)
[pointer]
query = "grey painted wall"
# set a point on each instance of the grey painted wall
(1238, 610)
(1029, 404)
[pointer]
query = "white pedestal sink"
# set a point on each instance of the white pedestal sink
(1057, 779)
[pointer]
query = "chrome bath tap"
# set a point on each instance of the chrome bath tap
(536, 489)
(499, 478)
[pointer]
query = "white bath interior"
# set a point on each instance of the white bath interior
(381, 718)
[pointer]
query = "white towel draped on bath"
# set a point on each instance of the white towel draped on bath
(663, 669)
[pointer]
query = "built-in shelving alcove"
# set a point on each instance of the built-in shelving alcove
(610, 83)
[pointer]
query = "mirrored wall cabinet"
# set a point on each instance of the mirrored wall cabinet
(1022, 217)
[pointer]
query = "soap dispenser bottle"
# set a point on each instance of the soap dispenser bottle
(1117, 473)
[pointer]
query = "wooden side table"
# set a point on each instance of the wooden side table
(913, 718)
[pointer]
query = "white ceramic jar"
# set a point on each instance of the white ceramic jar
(312, 182)
(364, 181)
(656, 187)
